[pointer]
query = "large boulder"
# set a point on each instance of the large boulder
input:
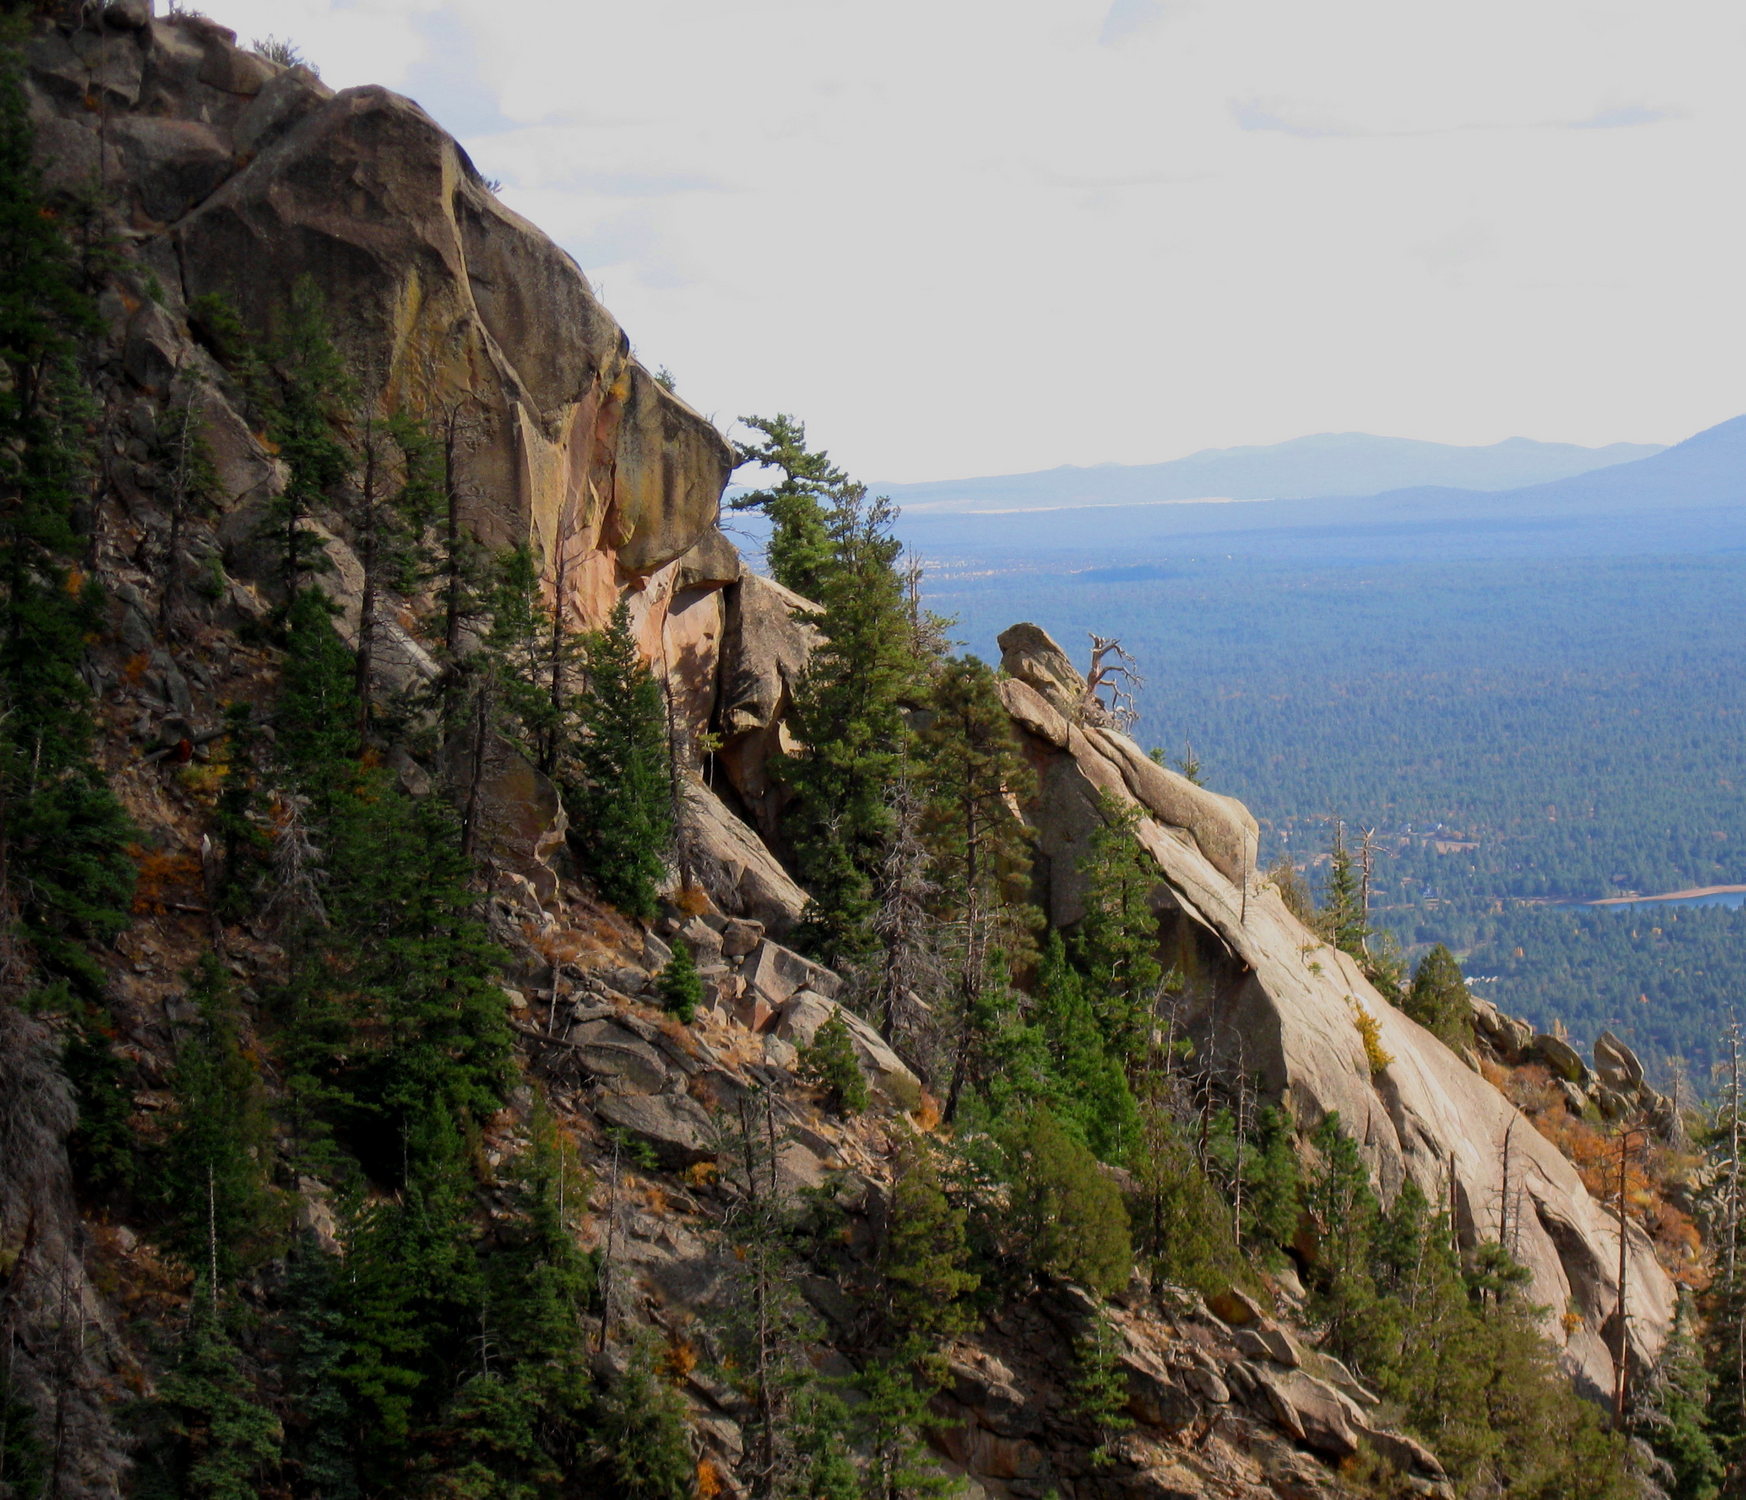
(807, 1010)
(1617, 1064)
(1028, 653)
(767, 639)
(1268, 999)
(730, 861)
(518, 815)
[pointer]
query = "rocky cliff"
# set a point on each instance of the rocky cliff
(1266, 996)
(236, 177)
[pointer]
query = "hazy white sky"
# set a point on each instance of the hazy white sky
(977, 236)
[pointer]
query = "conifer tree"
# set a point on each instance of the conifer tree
(222, 1441)
(1098, 1391)
(923, 1283)
(976, 776)
(1116, 943)
(1673, 1416)
(213, 1182)
(1088, 1087)
(849, 715)
(616, 782)
(457, 566)
(389, 504)
(1342, 1207)
(319, 1416)
(62, 833)
(829, 1060)
(802, 548)
(188, 491)
(680, 987)
(1066, 1215)
(1438, 999)
(526, 653)
(1344, 921)
(305, 386)
(642, 1449)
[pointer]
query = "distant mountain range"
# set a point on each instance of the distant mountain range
(1330, 463)
(1690, 497)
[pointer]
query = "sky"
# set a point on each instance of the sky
(964, 237)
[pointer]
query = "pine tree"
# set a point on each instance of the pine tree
(389, 504)
(1098, 1391)
(412, 1290)
(1067, 1217)
(528, 665)
(920, 1307)
(642, 1448)
(1116, 943)
(1673, 1415)
(976, 776)
(304, 386)
(319, 1417)
(1345, 923)
(213, 1179)
(849, 716)
(802, 549)
(616, 783)
(1438, 999)
(189, 490)
(240, 818)
(1088, 1088)
(829, 1060)
(680, 987)
(1342, 1208)
(62, 833)
(224, 1442)
(457, 565)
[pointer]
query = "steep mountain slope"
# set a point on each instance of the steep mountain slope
(236, 176)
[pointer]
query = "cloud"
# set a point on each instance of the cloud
(1622, 116)
(963, 236)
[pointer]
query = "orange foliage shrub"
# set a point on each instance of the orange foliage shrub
(163, 877)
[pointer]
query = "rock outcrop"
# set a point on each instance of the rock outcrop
(240, 178)
(1267, 997)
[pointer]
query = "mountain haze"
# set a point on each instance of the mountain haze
(1329, 463)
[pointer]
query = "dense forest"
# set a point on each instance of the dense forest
(1515, 732)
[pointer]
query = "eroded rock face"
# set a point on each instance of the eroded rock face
(1269, 998)
(241, 178)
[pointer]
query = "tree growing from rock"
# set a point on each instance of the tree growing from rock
(802, 549)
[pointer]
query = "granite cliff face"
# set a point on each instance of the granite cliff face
(1266, 996)
(238, 178)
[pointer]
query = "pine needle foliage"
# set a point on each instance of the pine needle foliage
(849, 714)
(63, 834)
(617, 781)
(802, 549)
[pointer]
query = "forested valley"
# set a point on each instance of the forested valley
(1522, 735)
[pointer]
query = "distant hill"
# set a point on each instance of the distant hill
(1706, 470)
(1330, 463)
(1690, 497)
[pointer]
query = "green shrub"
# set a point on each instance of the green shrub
(681, 987)
(829, 1060)
(1068, 1216)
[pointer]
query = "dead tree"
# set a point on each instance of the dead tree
(1111, 684)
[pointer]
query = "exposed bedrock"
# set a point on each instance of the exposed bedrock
(1269, 998)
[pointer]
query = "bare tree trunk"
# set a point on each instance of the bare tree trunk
(606, 1258)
